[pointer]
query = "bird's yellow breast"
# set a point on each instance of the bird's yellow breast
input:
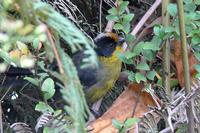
(111, 70)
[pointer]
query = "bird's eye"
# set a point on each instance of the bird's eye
(112, 45)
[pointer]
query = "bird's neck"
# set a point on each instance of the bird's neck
(113, 58)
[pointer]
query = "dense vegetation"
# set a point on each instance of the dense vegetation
(40, 87)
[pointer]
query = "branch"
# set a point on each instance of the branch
(185, 63)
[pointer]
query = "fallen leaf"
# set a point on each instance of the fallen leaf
(179, 64)
(122, 109)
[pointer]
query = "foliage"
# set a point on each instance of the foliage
(28, 33)
(126, 125)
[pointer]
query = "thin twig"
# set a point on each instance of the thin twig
(136, 103)
(55, 52)
(184, 50)
(1, 120)
(145, 17)
(166, 50)
(100, 11)
(6, 92)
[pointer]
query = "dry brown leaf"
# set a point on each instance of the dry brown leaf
(179, 64)
(122, 109)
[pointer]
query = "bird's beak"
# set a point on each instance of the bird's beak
(121, 40)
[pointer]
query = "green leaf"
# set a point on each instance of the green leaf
(143, 66)
(130, 122)
(43, 107)
(151, 75)
(151, 46)
(187, 1)
(129, 55)
(118, 26)
(149, 55)
(172, 9)
(112, 17)
(138, 48)
(122, 57)
(34, 81)
(197, 2)
(190, 7)
(197, 67)
(128, 17)
(46, 130)
(197, 55)
(195, 40)
(140, 77)
(117, 124)
(6, 57)
(159, 31)
(48, 88)
(131, 76)
(36, 43)
(129, 38)
(113, 11)
(126, 28)
(169, 29)
(123, 6)
(197, 75)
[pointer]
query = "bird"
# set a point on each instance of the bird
(98, 81)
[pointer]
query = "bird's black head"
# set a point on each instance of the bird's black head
(106, 43)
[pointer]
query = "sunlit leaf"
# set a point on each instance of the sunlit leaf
(140, 77)
(143, 66)
(43, 107)
(48, 88)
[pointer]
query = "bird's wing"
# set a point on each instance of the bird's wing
(88, 75)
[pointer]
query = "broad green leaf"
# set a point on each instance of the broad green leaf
(149, 55)
(195, 40)
(197, 75)
(151, 75)
(138, 48)
(6, 57)
(187, 1)
(131, 76)
(130, 122)
(36, 43)
(129, 55)
(128, 17)
(117, 124)
(143, 66)
(123, 6)
(43, 107)
(197, 55)
(46, 130)
(156, 41)
(190, 7)
(169, 29)
(159, 31)
(48, 88)
(34, 81)
(118, 26)
(112, 17)
(122, 57)
(126, 28)
(197, 2)
(172, 9)
(113, 11)
(140, 77)
(197, 67)
(151, 46)
(129, 38)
